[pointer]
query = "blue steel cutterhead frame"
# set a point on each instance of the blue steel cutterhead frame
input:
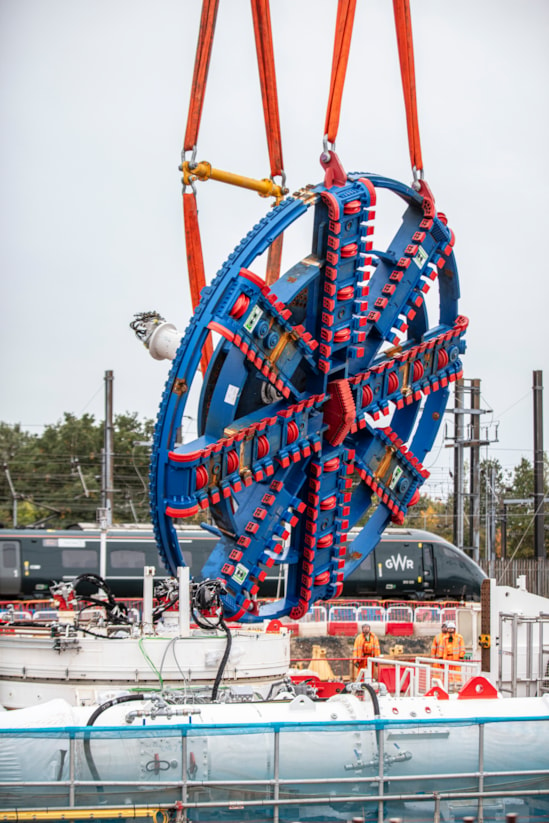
(325, 393)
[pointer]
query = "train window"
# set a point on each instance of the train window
(127, 559)
(79, 559)
(448, 561)
(9, 554)
(367, 563)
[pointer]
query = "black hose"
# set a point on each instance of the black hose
(375, 703)
(159, 610)
(224, 659)
(206, 597)
(372, 692)
(117, 611)
(126, 698)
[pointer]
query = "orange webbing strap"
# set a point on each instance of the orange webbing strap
(267, 76)
(403, 24)
(200, 75)
(195, 263)
(342, 46)
(274, 260)
(195, 260)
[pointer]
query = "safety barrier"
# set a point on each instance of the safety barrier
(427, 614)
(317, 614)
(371, 614)
(273, 770)
(9, 614)
(337, 618)
(413, 678)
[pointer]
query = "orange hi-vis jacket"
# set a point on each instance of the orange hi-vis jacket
(436, 646)
(452, 647)
(365, 648)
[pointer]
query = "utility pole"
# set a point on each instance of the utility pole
(491, 517)
(108, 463)
(539, 490)
(474, 476)
(104, 514)
(458, 464)
(473, 441)
(504, 530)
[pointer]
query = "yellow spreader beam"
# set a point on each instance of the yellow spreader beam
(204, 171)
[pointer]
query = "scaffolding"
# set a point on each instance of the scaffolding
(523, 660)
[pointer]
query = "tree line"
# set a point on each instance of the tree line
(508, 495)
(55, 479)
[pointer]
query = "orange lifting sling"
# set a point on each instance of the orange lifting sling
(267, 75)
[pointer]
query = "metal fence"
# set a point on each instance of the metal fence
(506, 572)
(285, 771)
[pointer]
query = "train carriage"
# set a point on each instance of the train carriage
(407, 563)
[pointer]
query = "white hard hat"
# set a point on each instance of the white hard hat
(450, 624)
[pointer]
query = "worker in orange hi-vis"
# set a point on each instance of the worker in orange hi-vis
(453, 648)
(436, 645)
(366, 645)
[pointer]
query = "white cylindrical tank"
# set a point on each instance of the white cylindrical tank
(321, 740)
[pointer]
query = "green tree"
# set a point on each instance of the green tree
(58, 473)
(432, 515)
(520, 516)
(18, 451)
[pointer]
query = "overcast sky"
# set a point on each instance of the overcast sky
(94, 97)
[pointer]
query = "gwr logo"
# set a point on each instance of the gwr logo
(399, 562)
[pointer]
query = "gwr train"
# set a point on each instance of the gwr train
(407, 563)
